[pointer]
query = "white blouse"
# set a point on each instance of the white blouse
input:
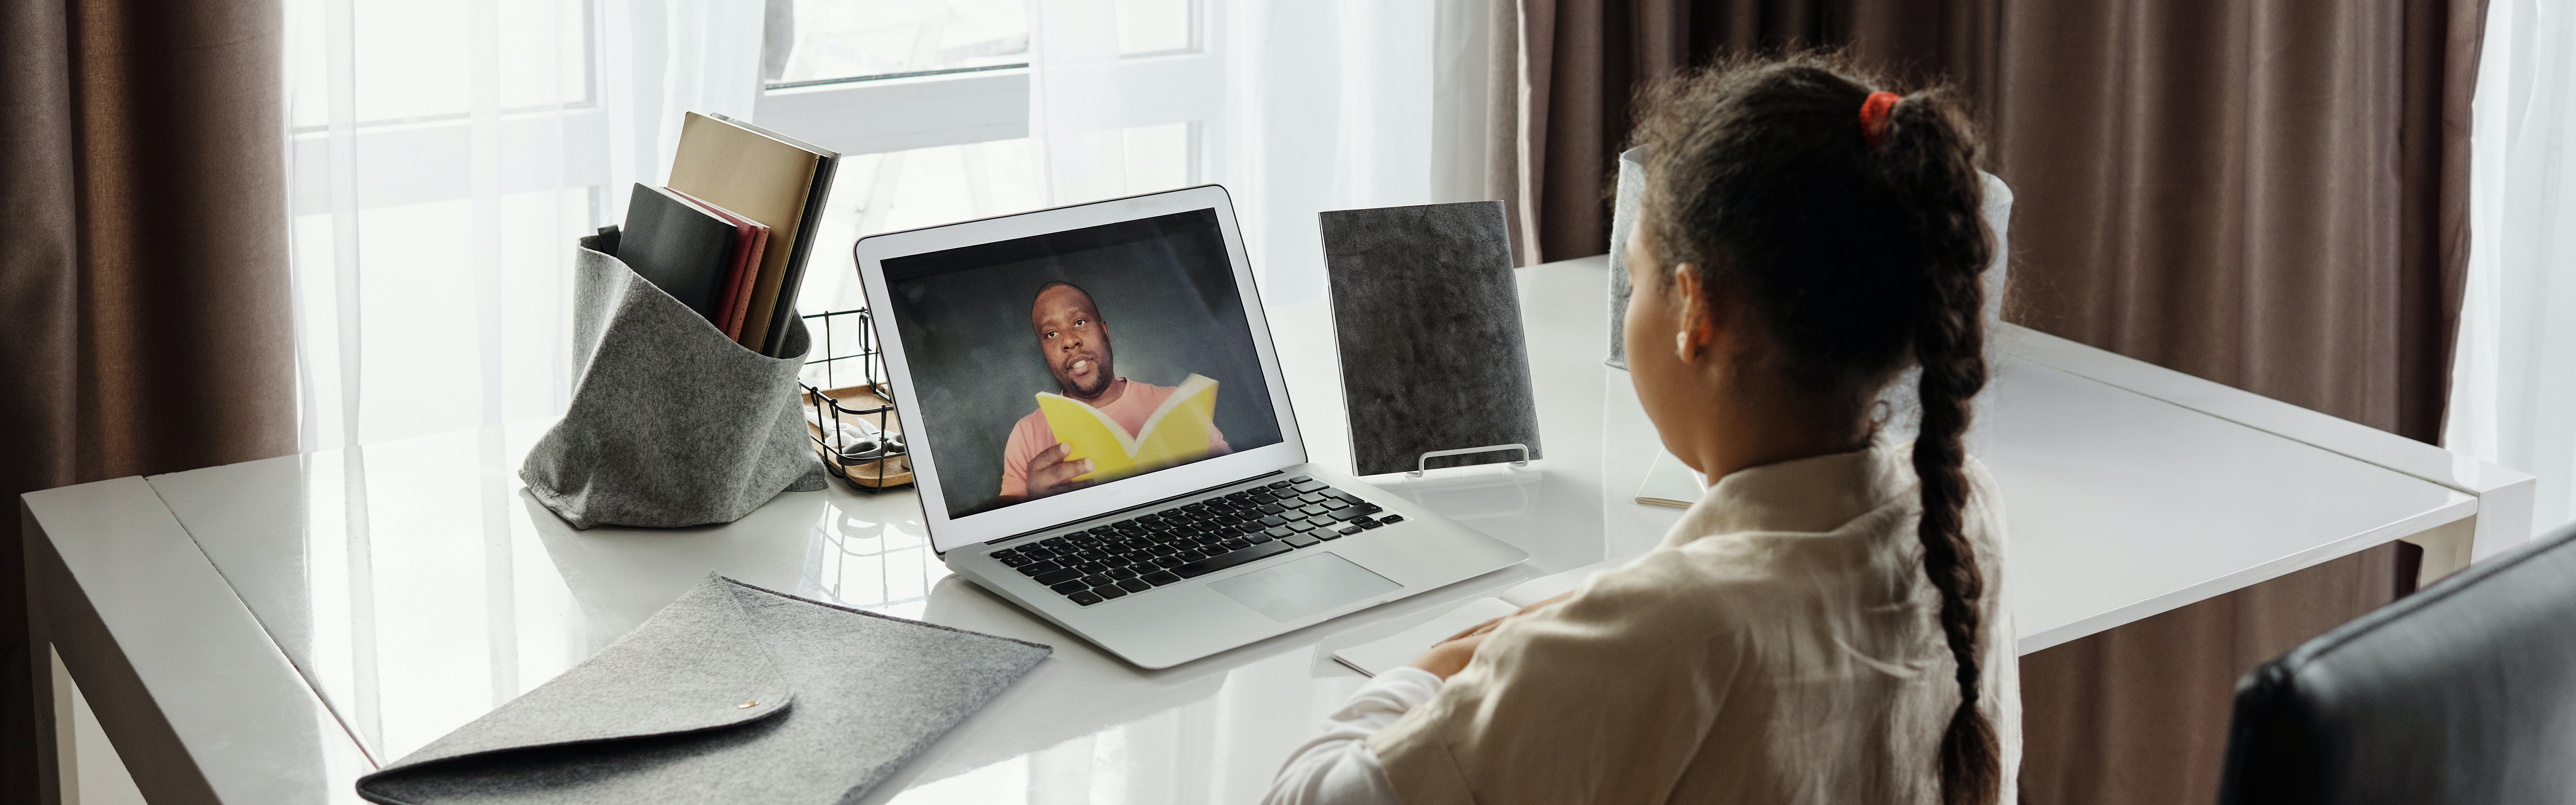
(1336, 767)
(1781, 645)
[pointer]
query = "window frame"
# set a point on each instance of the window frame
(876, 115)
(854, 117)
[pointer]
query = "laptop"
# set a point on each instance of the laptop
(1100, 433)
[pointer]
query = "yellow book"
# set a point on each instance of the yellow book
(1177, 433)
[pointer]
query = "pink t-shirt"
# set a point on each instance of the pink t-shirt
(1033, 436)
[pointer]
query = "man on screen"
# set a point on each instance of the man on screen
(1075, 343)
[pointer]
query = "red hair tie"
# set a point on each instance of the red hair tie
(1873, 116)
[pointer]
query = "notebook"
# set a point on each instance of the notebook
(750, 239)
(1427, 316)
(778, 182)
(1176, 433)
(682, 248)
(784, 309)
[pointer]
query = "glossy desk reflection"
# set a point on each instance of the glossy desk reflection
(415, 587)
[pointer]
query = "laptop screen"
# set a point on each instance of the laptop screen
(1086, 357)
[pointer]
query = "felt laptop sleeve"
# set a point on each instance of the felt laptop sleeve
(732, 693)
(671, 423)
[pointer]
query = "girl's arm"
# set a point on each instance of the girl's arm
(1532, 717)
(1336, 767)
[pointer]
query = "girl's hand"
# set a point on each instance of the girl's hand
(1449, 656)
(1534, 607)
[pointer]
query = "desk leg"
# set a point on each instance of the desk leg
(2138, 714)
(41, 669)
(62, 624)
(87, 768)
(2504, 519)
(2447, 549)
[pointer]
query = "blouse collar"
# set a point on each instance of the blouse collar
(1811, 495)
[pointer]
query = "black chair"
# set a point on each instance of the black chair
(2464, 692)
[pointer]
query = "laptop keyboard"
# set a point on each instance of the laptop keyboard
(1151, 550)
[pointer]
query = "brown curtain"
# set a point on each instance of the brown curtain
(2270, 194)
(2267, 194)
(144, 321)
(2213, 186)
(1566, 70)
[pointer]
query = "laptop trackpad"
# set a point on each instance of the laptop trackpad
(1304, 587)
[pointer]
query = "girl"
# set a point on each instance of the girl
(1827, 624)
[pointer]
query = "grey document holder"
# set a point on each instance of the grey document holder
(1435, 369)
(732, 693)
(671, 423)
(1623, 220)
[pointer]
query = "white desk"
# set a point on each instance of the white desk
(265, 632)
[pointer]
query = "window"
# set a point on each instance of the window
(413, 62)
(871, 39)
(921, 187)
(928, 102)
(442, 157)
(844, 41)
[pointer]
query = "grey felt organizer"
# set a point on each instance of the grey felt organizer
(732, 693)
(1428, 319)
(671, 423)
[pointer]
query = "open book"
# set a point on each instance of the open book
(1177, 433)
(1398, 650)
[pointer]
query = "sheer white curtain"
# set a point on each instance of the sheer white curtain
(2513, 392)
(1325, 104)
(1074, 93)
(1338, 104)
(444, 156)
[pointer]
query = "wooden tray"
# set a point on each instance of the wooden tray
(882, 473)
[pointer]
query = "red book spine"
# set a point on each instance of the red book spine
(749, 241)
(740, 295)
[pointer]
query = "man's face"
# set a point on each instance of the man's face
(1074, 340)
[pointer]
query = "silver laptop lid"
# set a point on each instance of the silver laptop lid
(1127, 331)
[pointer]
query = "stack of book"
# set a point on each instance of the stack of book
(730, 235)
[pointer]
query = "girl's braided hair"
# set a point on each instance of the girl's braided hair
(1852, 252)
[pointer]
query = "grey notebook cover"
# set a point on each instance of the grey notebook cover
(681, 247)
(1429, 323)
(732, 693)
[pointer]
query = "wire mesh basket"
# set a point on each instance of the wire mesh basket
(853, 426)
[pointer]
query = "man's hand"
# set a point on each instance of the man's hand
(1450, 656)
(1050, 474)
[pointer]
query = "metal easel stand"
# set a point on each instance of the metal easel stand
(1423, 463)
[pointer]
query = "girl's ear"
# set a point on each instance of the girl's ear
(1698, 318)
